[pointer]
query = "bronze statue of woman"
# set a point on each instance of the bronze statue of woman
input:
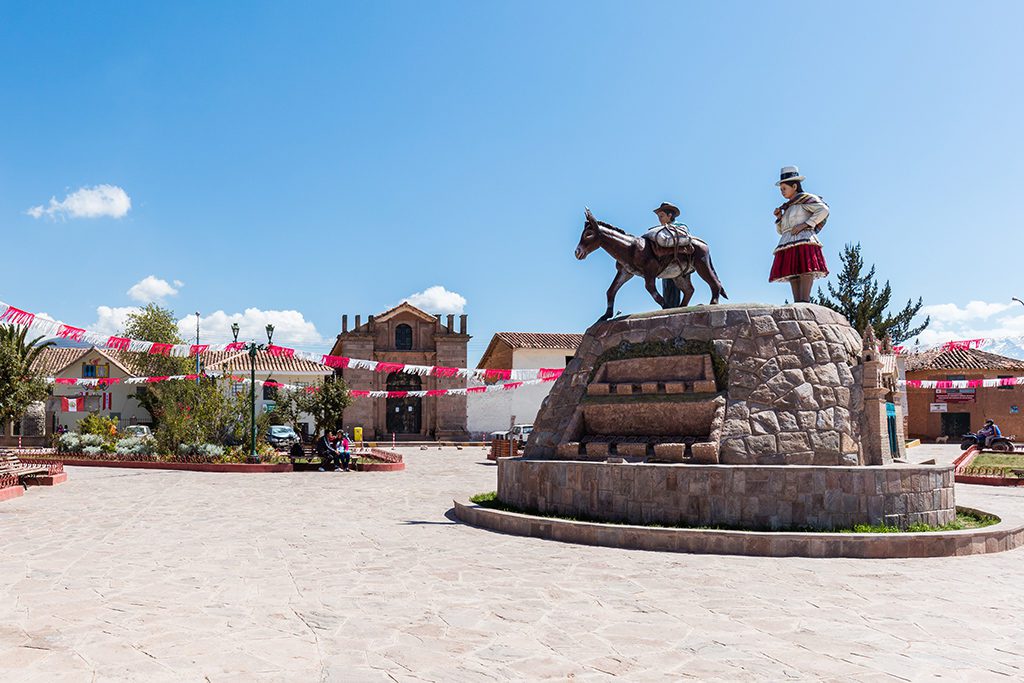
(798, 257)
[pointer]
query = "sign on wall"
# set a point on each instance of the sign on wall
(938, 407)
(955, 395)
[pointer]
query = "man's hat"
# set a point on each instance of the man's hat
(670, 209)
(989, 422)
(789, 174)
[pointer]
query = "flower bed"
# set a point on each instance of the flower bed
(380, 460)
(988, 469)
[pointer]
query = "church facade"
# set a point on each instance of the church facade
(405, 334)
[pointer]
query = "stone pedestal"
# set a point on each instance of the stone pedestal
(742, 415)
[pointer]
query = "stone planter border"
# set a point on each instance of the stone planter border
(1004, 535)
(186, 466)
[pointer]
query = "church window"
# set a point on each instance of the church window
(403, 338)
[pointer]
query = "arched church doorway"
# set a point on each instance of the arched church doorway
(404, 414)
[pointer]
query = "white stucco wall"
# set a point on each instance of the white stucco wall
(493, 412)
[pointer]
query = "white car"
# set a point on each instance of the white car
(138, 431)
(520, 433)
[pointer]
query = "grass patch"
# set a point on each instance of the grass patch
(965, 519)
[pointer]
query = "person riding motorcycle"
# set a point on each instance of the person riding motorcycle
(987, 433)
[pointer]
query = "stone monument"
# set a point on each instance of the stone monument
(749, 416)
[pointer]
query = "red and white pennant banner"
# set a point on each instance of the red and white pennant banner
(961, 383)
(461, 391)
(50, 328)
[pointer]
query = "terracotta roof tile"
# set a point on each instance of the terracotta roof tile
(540, 340)
(961, 359)
(51, 360)
(239, 361)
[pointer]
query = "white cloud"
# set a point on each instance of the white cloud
(974, 310)
(87, 202)
(290, 327)
(438, 300)
(152, 288)
(976, 320)
(111, 320)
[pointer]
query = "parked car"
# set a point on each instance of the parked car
(137, 431)
(282, 436)
(520, 433)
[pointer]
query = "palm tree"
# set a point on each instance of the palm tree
(27, 352)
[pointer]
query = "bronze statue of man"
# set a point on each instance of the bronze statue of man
(670, 234)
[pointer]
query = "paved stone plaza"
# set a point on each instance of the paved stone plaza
(178, 576)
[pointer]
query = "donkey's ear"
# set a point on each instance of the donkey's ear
(590, 216)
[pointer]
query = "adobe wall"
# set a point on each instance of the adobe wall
(990, 403)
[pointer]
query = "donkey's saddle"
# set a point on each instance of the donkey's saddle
(673, 236)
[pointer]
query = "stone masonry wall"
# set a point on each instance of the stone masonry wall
(766, 497)
(793, 389)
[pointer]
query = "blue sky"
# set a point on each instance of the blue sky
(296, 161)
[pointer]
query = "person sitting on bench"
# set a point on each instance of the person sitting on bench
(345, 451)
(327, 452)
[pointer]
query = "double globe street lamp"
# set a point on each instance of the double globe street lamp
(253, 348)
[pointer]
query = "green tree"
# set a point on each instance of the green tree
(325, 403)
(286, 409)
(203, 412)
(862, 300)
(20, 383)
(156, 324)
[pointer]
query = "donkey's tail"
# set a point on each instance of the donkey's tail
(711, 266)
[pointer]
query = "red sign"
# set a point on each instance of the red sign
(955, 395)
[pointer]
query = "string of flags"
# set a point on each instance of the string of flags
(961, 383)
(459, 391)
(53, 329)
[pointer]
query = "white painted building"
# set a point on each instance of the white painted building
(497, 411)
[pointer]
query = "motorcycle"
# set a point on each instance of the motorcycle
(1000, 444)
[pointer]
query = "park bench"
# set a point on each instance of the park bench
(10, 464)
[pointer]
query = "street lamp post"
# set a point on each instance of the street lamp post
(253, 348)
(197, 344)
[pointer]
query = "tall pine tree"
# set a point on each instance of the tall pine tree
(862, 300)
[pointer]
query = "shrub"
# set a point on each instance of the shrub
(91, 440)
(144, 445)
(205, 450)
(92, 450)
(92, 423)
(69, 442)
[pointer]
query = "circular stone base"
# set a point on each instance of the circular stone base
(739, 496)
(1005, 535)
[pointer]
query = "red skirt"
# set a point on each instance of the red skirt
(803, 259)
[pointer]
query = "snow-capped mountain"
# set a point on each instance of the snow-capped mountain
(1012, 347)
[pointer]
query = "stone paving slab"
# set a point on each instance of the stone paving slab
(181, 576)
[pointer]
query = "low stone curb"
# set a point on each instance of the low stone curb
(11, 492)
(47, 479)
(380, 466)
(1004, 535)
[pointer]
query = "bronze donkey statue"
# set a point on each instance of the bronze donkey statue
(638, 256)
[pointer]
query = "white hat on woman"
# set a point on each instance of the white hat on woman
(789, 174)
